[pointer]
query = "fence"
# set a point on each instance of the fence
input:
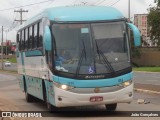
(149, 57)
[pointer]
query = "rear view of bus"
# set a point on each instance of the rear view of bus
(87, 57)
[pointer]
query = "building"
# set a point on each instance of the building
(140, 20)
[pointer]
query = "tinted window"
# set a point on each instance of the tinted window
(30, 37)
(40, 34)
(20, 41)
(26, 38)
(35, 35)
(33, 44)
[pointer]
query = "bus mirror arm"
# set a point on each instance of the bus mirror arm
(136, 34)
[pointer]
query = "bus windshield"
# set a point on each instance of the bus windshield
(95, 48)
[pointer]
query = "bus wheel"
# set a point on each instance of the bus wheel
(51, 108)
(111, 107)
(29, 98)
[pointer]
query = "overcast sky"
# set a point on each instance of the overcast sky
(7, 16)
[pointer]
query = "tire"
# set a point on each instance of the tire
(29, 98)
(111, 107)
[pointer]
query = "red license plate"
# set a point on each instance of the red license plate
(96, 99)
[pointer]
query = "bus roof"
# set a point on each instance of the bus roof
(78, 13)
(83, 13)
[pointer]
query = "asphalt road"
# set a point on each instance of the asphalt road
(147, 81)
(147, 78)
(13, 67)
(12, 98)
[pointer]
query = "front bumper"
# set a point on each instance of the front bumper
(65, 98)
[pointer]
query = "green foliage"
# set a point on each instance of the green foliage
(147, 69)
(136, 52)
(12, 60)
(154, 23)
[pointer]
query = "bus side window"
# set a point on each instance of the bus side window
(40, 35)
(20, 41)
(35, 35)
(24, 34)
(30, 37)
(26, 38)
(33, 46)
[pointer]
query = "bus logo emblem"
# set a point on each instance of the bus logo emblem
(91, 70)
(96, 90)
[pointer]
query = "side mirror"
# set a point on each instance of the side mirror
(17, 38)
(47, 39)
(136, 34)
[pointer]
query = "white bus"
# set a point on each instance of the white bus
(76, 56)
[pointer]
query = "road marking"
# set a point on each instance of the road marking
(153, 80)
(147, 91)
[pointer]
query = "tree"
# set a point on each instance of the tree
(154, 23)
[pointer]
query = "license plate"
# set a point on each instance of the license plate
(96, 99)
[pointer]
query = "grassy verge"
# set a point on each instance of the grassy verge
(147, 69)
(12, 60)
(8, 71)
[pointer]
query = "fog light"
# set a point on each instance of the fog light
(130, 94)
(60, 99)
(126, 83)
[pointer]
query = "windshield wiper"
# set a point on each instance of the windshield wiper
(80, 62)
(84, 48)
(108, 65)
(81, 57)
(107, 62)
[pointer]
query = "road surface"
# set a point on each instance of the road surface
(12, 99)
(13, 67)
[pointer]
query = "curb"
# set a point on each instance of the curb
(146, 91)
(7, 71)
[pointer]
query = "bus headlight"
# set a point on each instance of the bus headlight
(63, 87)
(127, 83)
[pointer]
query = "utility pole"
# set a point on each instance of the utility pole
(129, 10)
(21, 11)
(2, 49)
(129, 32)
(6, 45)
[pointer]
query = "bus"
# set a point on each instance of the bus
(72, 56)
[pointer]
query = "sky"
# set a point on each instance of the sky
(7, 17)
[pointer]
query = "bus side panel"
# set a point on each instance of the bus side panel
(21, 82)
(19, 63)
(50, 92)
(34, 87)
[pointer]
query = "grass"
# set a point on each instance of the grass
(12, 60)
(147, 69)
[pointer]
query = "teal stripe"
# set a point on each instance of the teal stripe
(94, 83)
(33, 53)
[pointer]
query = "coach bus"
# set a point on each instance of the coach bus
(76, 56)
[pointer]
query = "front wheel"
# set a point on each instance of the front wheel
(111, 107)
